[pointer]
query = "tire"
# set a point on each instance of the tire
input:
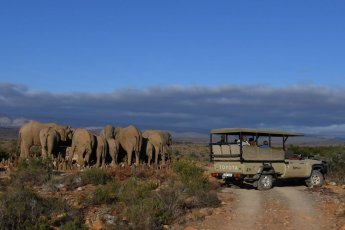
(316, 179)
(265, 182)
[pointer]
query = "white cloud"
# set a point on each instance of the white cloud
(12, 122)
(305, 108)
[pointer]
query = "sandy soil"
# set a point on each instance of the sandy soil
(284, 207)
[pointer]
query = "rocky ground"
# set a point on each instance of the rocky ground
(286, 206)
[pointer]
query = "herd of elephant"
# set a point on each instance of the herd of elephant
(84, 147)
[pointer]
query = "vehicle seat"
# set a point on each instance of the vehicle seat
(235, 150)
(216, 149)
(226, 150)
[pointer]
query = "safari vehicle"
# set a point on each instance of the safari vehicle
(237, 160)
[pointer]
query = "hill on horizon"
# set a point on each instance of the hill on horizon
(8, 133)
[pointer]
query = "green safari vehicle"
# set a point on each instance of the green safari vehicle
(238, 158)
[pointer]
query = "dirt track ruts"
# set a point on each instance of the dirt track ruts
(290, 207)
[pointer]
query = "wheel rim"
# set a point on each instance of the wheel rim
(315, 179)
(266, 181)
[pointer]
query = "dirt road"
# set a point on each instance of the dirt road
(289, 207)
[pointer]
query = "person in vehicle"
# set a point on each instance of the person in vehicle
(244, 141)
(265, 144)
(222, 139)
(251, 141)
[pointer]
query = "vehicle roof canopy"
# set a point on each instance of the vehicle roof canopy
(260, 132)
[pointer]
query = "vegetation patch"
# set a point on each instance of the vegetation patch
(24, 209)
(33, 171)
(94, 176)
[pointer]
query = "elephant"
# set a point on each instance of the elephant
(148, 148)
(107, 132)
(113, 148)
(160, 140)
(168, 142)
(130, 139)
(29, 135)
(50, 139)
(84, 145)
(101, 150)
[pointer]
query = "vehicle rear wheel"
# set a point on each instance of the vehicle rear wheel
(316, 179)
(265, 182)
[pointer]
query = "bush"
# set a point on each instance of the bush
(191, 176)
(8, 148)
(147, 213)
(106, 194)
(94, 176)
(172, 197)
(75, 224)
(135, 189)
(32, 172)
(4, 154)
(24, 209)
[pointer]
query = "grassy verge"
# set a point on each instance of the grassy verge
(149, 203)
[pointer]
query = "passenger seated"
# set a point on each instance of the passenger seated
(265, 145)
(222, 140)
(251, 141)
(244, 141)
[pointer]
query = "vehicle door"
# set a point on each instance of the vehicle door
(296, 168)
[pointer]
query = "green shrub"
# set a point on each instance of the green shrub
(24, 209)
(42, 224)
(4, 154)
(32, 172)
(135, 189)
(172, 198)
(191, 176)
(75, 224)
(8, 148)
(106, 194)
(94, 176)
(147, 213)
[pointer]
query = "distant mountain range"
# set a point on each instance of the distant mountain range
(193, 137)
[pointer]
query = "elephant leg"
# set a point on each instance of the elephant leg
(103, 158)
(150, 157)
(24, 150)
(116, 154)
(129, 154)
(50, 151)
(98, 162)
(113, 157)
(81, 156)
(137, 157)
(156, 155)
(87, 157)
(149, 154)
(44, 152)
(163, 155)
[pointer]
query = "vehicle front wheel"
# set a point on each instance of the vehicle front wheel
(265, 182)
(316, 179)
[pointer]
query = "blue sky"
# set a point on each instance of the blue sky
(102, 46)
(176, 65)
